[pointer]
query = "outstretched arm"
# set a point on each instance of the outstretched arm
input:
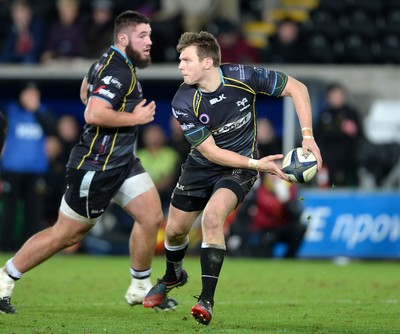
(301, 100)
(227, 158)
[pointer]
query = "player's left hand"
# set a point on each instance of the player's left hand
(309, 145)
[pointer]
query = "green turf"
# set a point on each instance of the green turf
(84, 294)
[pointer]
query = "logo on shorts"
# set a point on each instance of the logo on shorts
(94, 211)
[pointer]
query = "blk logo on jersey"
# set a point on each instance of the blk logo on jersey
(217, 99)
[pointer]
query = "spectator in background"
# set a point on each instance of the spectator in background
(99, 33)
(286, 45)
(69, 131)
(24, 165)
(166, 29)
(194, 14)
(66, 35)
(58, 148)
(55, 179)
(23, 40)
(268, 142)
(160, 161)
(234, 47)
(339, 132)
(173, 17)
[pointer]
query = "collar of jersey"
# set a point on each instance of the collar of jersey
(222, 80)
(119, 51)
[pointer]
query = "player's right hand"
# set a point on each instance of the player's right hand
(268, 164)
(144, 113)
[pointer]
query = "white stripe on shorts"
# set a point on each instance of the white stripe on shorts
(66, 209)
(85, 186)
(133, 187)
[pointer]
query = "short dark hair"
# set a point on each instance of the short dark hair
(206, 43)
(127, 19)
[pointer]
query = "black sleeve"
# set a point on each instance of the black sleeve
(269, 82)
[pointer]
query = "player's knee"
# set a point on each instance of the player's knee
(175, 234)
(148, 218)
(211, 220)
(156, 219)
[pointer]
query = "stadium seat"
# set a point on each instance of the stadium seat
(393, 4)
(382, 124)
(390, 48)
(392, 21)
(373, 7)
(382, 151)
(319, 49)
(356, 49)
(322, 21)
(336, 7)
(358, 21)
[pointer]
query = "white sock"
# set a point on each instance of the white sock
(12, 271)
(140, 274)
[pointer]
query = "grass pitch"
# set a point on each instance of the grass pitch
(82, 294)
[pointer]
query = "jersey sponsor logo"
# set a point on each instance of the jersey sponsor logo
(239, 68)
(242, 75)
(217, 99)
(102, 148)
(98, 67)
(187, 126)
(236, 173)
(262, 72)
(110, 80)
(178, 113)
(234, 125)
(105, 92)
(243, 103)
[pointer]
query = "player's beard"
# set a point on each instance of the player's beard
(136, 58)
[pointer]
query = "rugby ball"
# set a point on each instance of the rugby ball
(299, 167)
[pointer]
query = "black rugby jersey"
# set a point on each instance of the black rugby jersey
(112, 79)
(229, 113)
